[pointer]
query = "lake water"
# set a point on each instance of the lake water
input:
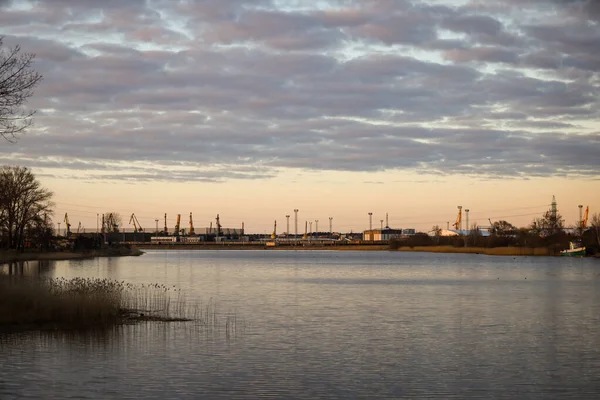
(331, 325)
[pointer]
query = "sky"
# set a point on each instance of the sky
(340, 108)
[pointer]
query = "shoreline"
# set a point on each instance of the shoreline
(493, 251)
(11, 257)
(7, 257)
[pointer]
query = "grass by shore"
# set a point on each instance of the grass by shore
(492, 251)
(8, 257)
(88, 304)
(496, 251)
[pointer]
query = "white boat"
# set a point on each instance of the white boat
(575, 250)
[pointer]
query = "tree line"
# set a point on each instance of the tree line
(547, 231)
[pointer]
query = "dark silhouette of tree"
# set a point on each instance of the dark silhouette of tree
(549, 224)
(112, 222)
(437, 232)
(24, 205)
(503, 228)
(17, 81)
(595, 227)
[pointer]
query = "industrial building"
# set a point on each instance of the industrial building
(378, 235)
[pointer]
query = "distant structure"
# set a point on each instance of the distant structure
(458, 223)
(554, 209)
(378, 235)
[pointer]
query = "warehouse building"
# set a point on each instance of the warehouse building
(378, 235)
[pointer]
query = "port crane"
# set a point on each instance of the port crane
(458, 222)
(218, 226)
(191, 232)
(274, 234)
(68, 225)
(585, 218)
(136, 224)
(176, 233)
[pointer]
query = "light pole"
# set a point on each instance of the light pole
(287, 231)
(330, 226)
(370, 221)
(316, 227)
(296, 223)
(97, 216)
(580, 223)
(156, 220)
(468, 229)
(381, 224)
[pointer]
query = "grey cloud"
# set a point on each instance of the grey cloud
(257, 86)
(473, 24)
(483, 54)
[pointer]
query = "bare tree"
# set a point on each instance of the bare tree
(503, 228)
(437, 232)
(24, 203)
(17, 81)
(595, 227)
(112, 221)
(549, 224)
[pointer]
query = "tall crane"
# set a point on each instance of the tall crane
(136, 224)
(68, 225)
(79, 227)
(458, 223)
(585, 218)
(192, 232)
(218, 226)
(176, 233)
(274, 234)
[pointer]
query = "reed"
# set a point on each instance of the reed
(89, 303)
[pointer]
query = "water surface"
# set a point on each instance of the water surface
(331, 324)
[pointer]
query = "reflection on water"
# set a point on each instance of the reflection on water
(26, 268)
(332, 325)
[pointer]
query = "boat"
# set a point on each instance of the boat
(575, 250)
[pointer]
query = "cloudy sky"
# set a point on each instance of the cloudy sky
(251, 108)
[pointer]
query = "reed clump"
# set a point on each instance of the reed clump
(88, 303)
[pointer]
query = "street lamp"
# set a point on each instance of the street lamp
(287, 231)
(296, 223)
(370, 221)
(330, 226)
(316, 227)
